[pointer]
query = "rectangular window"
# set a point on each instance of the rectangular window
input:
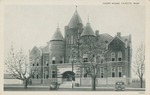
(102, 60)
(61, 62)
(37, 76)
(101, 72)
(37, 64)
(113, 71)
(71, 39)
(53, 62)
(113, 74)
(119, 59)
(85, 60)
(120, 74)
(46, 63)
(85, 75)
(47, 76)
(102, 75)
(113, 59)
(53, 74)
(120, 71)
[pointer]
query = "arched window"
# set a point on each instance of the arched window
(119, 56)
(113, 56)
(53, 60)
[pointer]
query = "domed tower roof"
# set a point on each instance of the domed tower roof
(75, 20)
(88, 30)
(57, 36)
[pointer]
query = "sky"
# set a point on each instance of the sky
(26, 26)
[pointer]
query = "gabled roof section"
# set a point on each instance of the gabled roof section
(88, 31)
(75, 20)
(35, 52)
(45, 49)
(115, 38)
(57, 36)
(105, 37)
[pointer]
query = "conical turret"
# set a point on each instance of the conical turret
(57, 47)
(75, 20)
(57, 36)
(88, 31)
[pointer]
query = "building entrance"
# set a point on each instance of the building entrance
(68, 76)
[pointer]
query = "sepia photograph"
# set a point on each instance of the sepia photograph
(74, 47)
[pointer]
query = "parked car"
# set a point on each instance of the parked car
(120, 86)
(54, 86)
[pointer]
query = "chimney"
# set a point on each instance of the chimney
(119, 34)
(97, 32)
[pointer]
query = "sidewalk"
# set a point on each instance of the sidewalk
(41, 86)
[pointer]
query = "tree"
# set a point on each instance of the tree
(90, 52)
(139, 63)
(17, 65)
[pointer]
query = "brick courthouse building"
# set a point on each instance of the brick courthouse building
(54, 61)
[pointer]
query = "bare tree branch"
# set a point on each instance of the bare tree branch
(139, 62)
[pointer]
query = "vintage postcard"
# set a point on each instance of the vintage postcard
(98, 46)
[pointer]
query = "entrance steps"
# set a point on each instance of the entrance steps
(66, 84)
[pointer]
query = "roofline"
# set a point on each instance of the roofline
(88, 35)
(38, 49)
(56, 40)
(114, 38)
(107, 34)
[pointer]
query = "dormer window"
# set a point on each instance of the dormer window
(119, 56)
(113, 56)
